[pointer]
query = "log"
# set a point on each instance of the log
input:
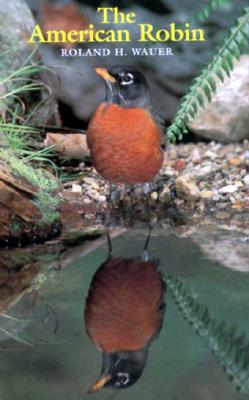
(18, 213)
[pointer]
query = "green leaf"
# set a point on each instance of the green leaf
(221, 65)
(230, 348)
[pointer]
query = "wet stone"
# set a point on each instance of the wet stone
(186, 188)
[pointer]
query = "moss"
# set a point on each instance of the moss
(38, 176)
(45, 201)
(48, 205)
(15, 227)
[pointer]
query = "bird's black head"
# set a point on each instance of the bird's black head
(121, 369)
(125, 85)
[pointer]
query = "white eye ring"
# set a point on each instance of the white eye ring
(124, 376)
(128, 76)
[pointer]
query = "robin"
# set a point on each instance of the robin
(123, 313)
(124, 134)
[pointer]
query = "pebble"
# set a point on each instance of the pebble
(101, 198)
(198, 173)
(210, 154)
(154, 196)
(186, 188)
(87, 201)
(180, 165)
(196, 156)
(206, 194)
(228, 189)
(222, 215)
(217, 197)
(169, 172)
(165, 196)
(89, 180)
(76, 188)
(235, 161)
(246, 180)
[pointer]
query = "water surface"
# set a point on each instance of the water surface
(62, 362)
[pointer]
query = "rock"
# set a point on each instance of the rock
(226, 118)
(186, 188)
(169, 172)
(165, 196)
(76, 188)
(228, 189)
(206, 194)
(16, 26)
(154, 196)
(235, 161)
(222, 215)
(180, 165)
(101, 198)
(196, 156)
(246, 180)
(87, 201)
(217, 197)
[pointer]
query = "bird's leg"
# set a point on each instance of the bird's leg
(129, 206)
(145, 256)
(146, 190)
(110, 205)
(109, 242)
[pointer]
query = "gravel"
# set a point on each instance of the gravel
(196, 180)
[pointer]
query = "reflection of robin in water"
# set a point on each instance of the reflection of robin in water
(123, 314)
(124, 134)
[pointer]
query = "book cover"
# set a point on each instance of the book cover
(124, 199)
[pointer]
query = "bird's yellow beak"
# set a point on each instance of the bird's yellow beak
(100, 383)
(104, 74)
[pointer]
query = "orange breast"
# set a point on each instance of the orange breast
(124, 144)
(121, 311)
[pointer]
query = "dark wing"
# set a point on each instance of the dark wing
(161, 122)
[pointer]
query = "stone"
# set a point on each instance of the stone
(246, 180)
(222, 215)
(165, 196)
(226, 118)
(228, 189)
(186, 188)
(101, 198)
(87, 201)
(154, 196)
(16, 26)
(196, 156)
(76, 188)
(235, 161)
(88, 180)
(169, 172)
(206, 194)
(180, 165)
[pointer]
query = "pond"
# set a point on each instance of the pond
(47, 354)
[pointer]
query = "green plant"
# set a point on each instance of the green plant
(41, 178)
(206, 11)
(204, 86)
(230, 348)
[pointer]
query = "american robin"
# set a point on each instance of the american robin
(124, 134)
(123, 313)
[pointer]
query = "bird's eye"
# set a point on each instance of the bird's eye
(127, 79)
(123, 378)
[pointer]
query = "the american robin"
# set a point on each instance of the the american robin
(125, 132)
(123, 313)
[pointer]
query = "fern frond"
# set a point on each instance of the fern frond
(206, 11)
(205, 85)
(230, 348)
